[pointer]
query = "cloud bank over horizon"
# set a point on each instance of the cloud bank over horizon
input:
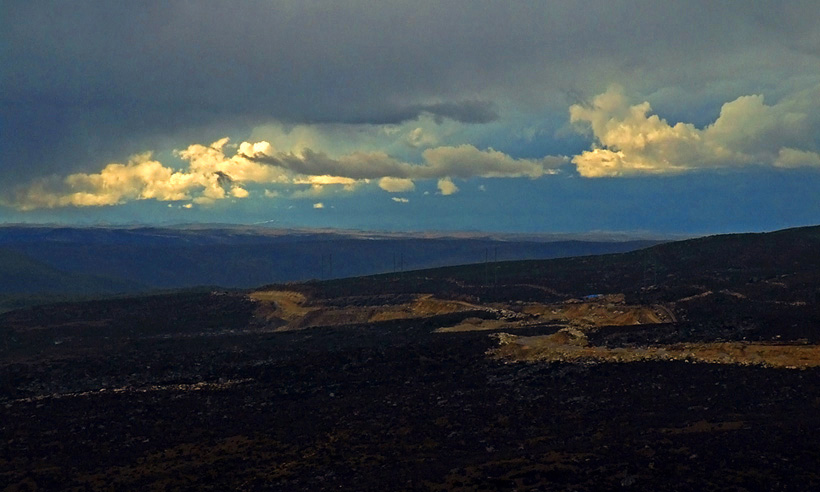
(117, 112)
(214, 175)
(627, 141)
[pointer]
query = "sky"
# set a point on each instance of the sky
(688, 117)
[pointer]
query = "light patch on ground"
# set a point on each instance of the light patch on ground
(287, 310)
(609, 310)
(571, 345)
(478, 324)
(280, 304)
(424, 305)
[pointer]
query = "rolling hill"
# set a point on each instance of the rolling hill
(77, 262)
(692, 365)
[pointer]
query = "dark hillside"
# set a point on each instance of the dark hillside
(23, 280)
(686, 366)
(735, 260)
(42, 263)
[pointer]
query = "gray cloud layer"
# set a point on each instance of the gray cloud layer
(628, 140)
(99, 80)
(464, 161)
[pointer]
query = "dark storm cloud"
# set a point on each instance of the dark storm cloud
(85, 82)
(315, 63)
(463, 111)
(474, 111)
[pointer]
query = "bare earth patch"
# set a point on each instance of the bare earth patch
(287, 310)
(572, 346)
(608, 310)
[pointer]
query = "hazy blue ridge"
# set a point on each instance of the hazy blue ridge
(173, 258)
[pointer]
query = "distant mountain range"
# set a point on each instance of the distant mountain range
(41, 263)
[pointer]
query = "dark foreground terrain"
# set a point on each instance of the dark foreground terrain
(688, 366)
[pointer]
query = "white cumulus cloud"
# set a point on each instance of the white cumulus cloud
(447, 187)
(396, 185)
(140, 178)
(466, 161)
(788, 157)
(211, 175)
(629, 140)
